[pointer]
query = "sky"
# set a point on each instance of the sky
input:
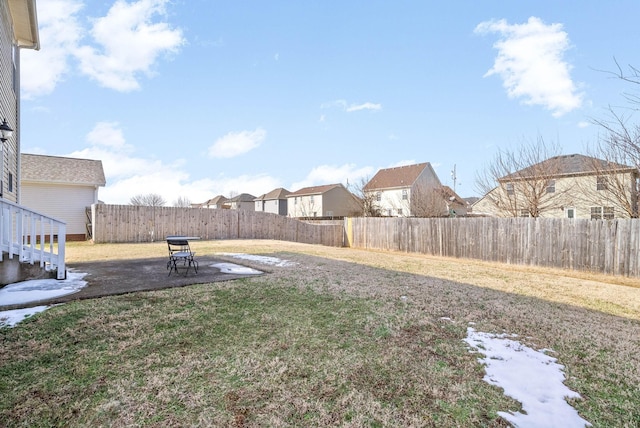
(530, 376)
(190, 99)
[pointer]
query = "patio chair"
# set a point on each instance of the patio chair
(180, 255)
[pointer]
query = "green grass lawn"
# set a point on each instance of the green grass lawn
(322, 343)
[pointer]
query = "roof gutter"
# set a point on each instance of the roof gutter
(25, 23)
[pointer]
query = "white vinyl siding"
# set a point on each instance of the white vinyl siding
(62, 202)
(8, 103)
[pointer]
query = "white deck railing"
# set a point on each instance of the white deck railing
(30, 236)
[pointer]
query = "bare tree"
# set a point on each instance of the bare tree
(148, 200)
(182, 202)
(369, 204)
(618, 147)
(429, 201)
(522, 181)
(618, 162)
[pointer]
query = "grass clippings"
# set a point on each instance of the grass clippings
(341, 338)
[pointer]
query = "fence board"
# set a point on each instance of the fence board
(606, 246)
(127, 223)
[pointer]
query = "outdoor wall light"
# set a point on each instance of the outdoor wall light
(5, 131)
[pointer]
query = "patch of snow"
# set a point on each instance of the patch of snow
(237, 269)
(34, 290)
(529, 376)
(41, 289)
(265, 260)
(13, 317)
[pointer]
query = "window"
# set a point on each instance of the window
(378, 196)
(601, 183)
(607, 213)
(510, 190)
(551, 186)
(602, 213)
(405, 195)
(10, 183)
(571, 212)
(399, 211)
(524, 213)
(311, 198)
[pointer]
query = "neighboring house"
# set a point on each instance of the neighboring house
(62, 188)
(405, 191)
(273, 202)
(243, 201)
(332, 200)
(453, 204)
(215, 203)
(568, 186)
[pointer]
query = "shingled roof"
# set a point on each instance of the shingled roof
(314, 190)
(574, 164)
(279, 193)
(61, 170)
(401, 176)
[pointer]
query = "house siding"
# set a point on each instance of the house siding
(63, 202)
(339, 202)
(577, 192)
(9, 104)
(391, 203)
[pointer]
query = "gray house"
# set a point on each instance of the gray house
(243, 201)
(273, 202)
(62, 188)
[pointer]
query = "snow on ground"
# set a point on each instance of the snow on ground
(528, 376)
(234, 268)
(35, 290)
(265, 260)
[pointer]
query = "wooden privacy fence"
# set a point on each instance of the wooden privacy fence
(128, 223)
(606, 246)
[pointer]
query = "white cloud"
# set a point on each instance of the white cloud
(237, 143)
(129, 44)
(364, 106)
(531, 64)
(331, 174)
(349, 108)
(60, 33)
(129, 175)
(125, 44)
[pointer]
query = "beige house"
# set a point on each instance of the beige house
(568, 186)
(62, 188)
(329, 201)
(404, 191)
(274, 202)
(214, 203)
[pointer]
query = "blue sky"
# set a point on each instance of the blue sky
(196, 98)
